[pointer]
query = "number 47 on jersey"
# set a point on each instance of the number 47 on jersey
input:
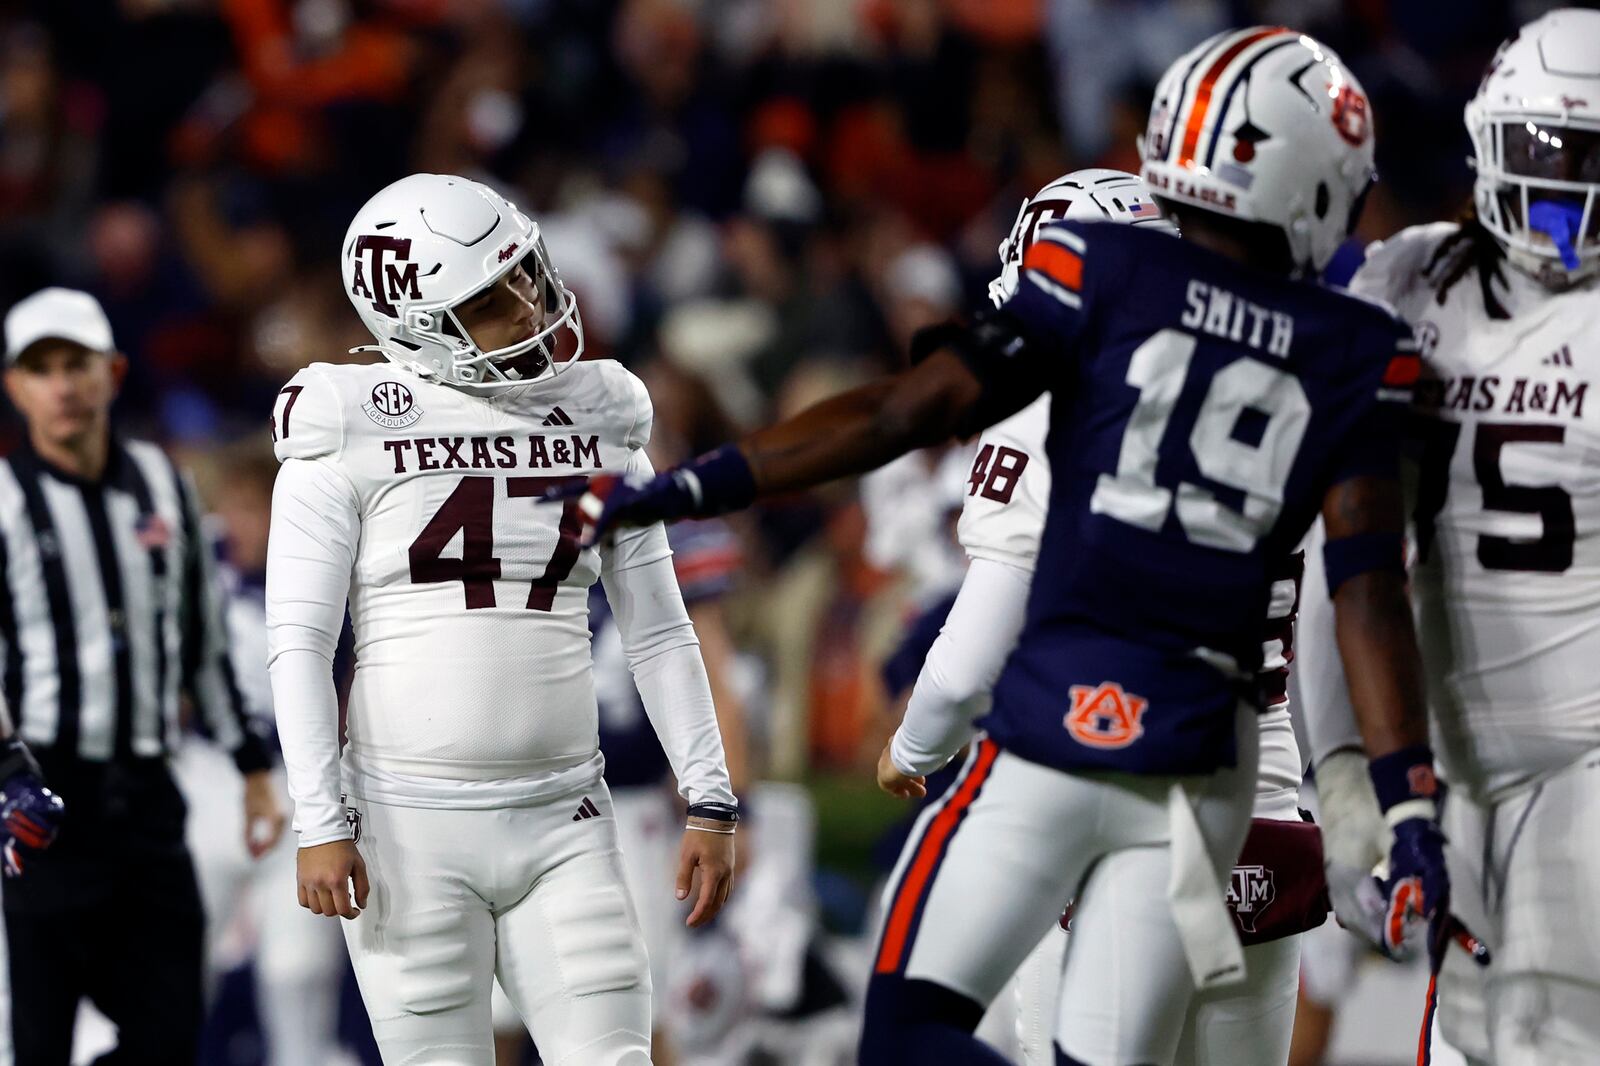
(469, 510)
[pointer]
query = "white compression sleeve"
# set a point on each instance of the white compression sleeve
(953, 688)
(664, 656)
(316, 525)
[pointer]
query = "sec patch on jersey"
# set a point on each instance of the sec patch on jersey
(392, 406)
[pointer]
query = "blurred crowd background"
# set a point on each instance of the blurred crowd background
(756, 201)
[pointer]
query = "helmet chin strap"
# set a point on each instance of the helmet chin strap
(1559, 221)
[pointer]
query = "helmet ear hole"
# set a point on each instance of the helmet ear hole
(1322, 201)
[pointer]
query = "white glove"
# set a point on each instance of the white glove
(1355, 847)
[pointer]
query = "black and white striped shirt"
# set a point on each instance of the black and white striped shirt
(111, 611)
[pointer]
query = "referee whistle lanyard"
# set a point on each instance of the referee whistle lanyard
(1199, 908)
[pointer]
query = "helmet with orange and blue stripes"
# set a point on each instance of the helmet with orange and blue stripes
(1266, 125)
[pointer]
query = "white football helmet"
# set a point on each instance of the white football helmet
(428, 243)
(1535, 128)
(1267, 125)
(1094, 195)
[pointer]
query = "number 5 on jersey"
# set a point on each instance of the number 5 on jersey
(470, 510)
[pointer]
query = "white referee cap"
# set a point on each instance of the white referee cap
(64, 314)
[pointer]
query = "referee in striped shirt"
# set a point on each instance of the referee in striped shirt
(110, 616)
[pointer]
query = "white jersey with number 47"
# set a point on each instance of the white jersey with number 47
(468, 596)
(1507, 513)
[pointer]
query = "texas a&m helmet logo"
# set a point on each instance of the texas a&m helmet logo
(1104, 716)
(384, 272)
(1250, 893)
(391, 405)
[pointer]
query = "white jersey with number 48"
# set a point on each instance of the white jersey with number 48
(1507, 513)
(468, 596)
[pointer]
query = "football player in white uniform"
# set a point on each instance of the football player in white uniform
(471, 816)
(1008, 494)
(1506, 578)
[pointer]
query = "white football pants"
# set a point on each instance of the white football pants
(532, 895)
(988, 868)
(1522, 876)
(1248, 1024)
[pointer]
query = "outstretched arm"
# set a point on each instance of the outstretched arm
(940, 397)
(864, 428)
(972, 377)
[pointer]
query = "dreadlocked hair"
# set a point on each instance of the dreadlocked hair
(1470, 246)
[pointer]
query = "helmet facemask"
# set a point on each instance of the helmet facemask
(487, 317)
(1537, 186)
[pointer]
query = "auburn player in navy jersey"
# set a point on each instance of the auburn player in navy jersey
(1207, 405)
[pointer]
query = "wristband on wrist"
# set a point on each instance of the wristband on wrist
(714, 812)
(718, 482)
(1405, 784)
(1350, 557)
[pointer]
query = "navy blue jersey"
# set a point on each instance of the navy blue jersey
(1202, 411)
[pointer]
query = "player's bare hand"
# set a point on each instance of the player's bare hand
(705, 870)
(263, 815)
(325, 874)
(892, 781)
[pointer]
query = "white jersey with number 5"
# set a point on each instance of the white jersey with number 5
(1507, 518)
(468, 596)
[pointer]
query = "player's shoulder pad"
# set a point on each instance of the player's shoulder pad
(1098, 246)
(627, 395)
(1395, 266)
(1079, 235)
(309, 413)
(1066, 255)
(1385, 347)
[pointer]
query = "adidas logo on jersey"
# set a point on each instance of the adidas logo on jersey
(1562, 356)
(586, 809)
(557, 417)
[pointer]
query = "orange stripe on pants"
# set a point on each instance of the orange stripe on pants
(915, 884)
